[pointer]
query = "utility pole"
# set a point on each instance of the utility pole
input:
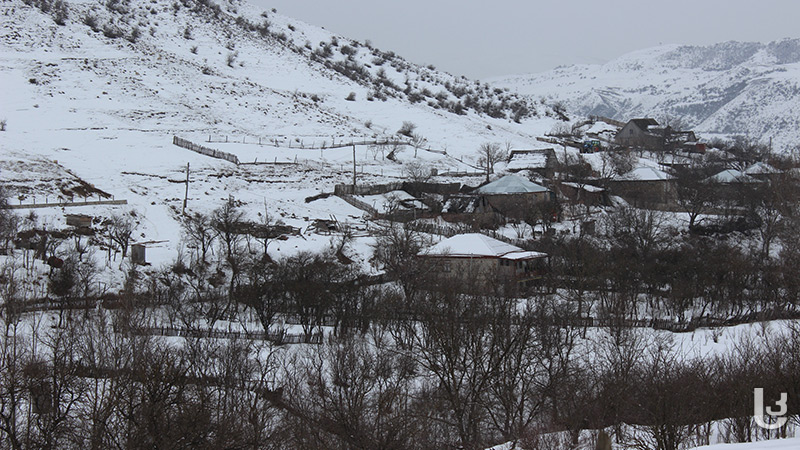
(186, 195)
(354, 168)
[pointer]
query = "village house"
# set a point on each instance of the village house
(513, 196)
(583, 194)
(485, 260)
(647, 133)
(645, 187)
(762, 171)
(731, 176)
(636, 133)
(731, 186)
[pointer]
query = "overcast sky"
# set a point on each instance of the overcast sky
(503, 37)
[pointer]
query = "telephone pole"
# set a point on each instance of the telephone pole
(186, 195)
(354, 168)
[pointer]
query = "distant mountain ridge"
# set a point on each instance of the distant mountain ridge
(731, 88)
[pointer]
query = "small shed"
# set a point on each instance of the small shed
(583, 194)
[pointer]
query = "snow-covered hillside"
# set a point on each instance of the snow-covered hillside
(731, 88)
(94, 91)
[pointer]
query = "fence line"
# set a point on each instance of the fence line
(67, 204)
(300, 143)
(205, 150)
(358, 204)
(279, 337)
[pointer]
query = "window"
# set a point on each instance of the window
(446, 267)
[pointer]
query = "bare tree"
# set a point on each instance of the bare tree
(227, 223)
(695, 194)
(417, 141)
(121, 229)
(417, 172)
(199, 233)
(395, 250)
(355, 392)
(489, 154)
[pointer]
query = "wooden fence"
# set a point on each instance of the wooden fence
(359, 204)
(205, 150)
(300, 143)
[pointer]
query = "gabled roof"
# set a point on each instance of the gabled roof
(476, 245)
(760, 168)
(731, 176)
(510, 184)
(645, 174)
(644, 124)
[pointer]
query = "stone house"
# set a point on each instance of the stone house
(513, 196)
(645, 187)
(485, 260)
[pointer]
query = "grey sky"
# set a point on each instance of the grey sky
(506, 37)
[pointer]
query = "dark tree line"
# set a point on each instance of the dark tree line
(423, 361)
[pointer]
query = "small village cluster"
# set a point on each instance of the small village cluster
(573, 176)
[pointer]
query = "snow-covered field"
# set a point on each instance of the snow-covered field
(779, 444)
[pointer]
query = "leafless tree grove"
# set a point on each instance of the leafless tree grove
(414, 359)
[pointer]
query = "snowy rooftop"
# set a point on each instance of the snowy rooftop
(600, 127)
(585, 187)
(510, 184)
(531, 160)
(478, 245)
(731, 176)
(646, 174)
(760, 168)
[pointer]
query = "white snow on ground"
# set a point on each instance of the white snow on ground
(778, 444)
(79, 105)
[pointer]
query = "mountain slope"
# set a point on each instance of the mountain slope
(98, 98)
(231, 67)
(731, 88)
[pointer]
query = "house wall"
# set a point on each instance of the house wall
(518, 205)
(583, 197)
(645, 193)
(633, 136)
(489, 270)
